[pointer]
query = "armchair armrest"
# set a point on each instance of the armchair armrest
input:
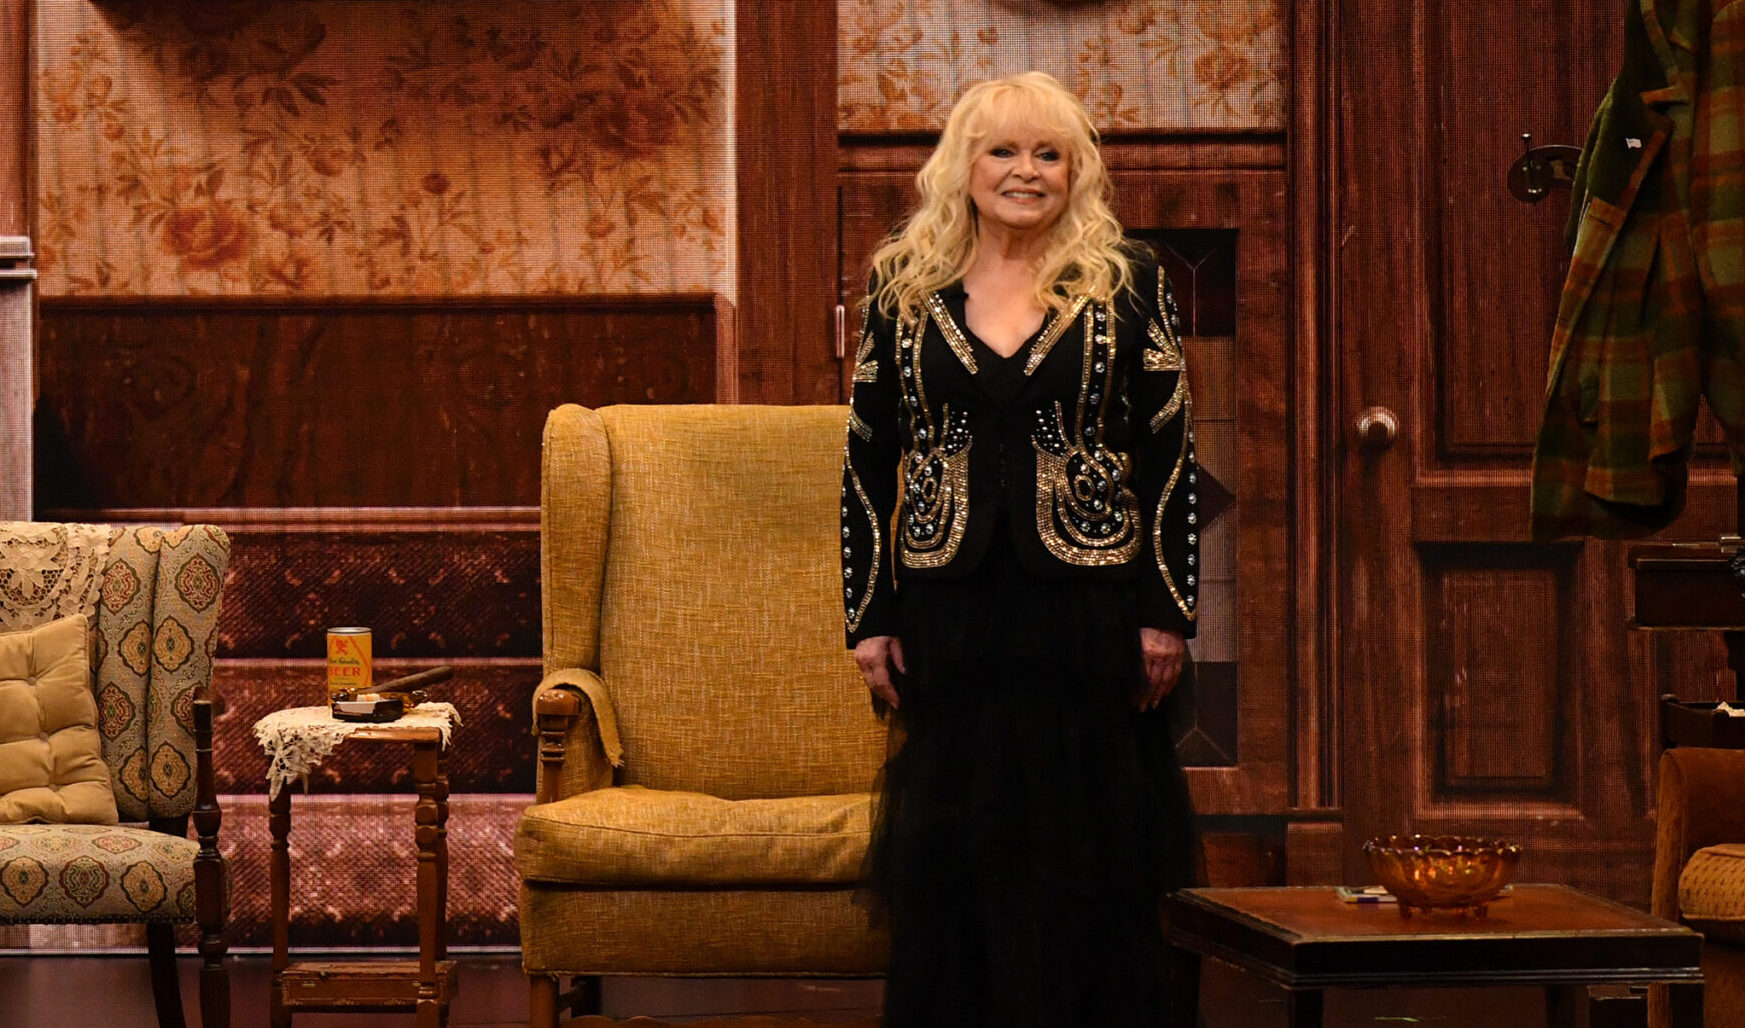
(578, 734)
(1701, 802)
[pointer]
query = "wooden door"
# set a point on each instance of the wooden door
(1489, 684)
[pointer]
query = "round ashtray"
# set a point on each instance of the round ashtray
(1442, 872)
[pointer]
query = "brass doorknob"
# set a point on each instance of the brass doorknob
(1377, 428)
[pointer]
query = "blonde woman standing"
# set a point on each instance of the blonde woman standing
(1020, 569)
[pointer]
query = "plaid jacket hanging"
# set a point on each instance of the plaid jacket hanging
(1653, 311)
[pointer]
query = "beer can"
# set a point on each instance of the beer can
(348, 660)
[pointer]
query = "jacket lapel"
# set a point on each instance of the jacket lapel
(1602, 217)
(1060, 348)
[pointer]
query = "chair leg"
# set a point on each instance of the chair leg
(543, 1001)
(210, 911)
(166, 988)
(586, 995)
(214, 981)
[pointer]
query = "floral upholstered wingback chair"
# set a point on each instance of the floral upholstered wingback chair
(150, 596)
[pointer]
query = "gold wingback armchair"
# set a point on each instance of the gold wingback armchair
(151, 597)
(706, 748)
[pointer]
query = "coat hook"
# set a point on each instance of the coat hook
(1542, 168)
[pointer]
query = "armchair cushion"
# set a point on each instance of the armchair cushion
(59, 874)
(51, 755)
(1711, 892)
(634, 836)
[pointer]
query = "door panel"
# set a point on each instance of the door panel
(1498, 698)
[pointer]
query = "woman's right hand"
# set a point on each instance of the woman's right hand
(877, 655)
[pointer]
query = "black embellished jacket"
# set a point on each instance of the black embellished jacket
(1083, 439)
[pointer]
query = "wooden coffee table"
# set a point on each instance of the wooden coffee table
(1308, 940)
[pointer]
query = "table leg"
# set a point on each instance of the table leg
(442, 854)
(1303, 1008)
(1685, 1004)
(1184, 986)
(1566, 1006)
(1736, 648)
(424, 772)
(279, 884)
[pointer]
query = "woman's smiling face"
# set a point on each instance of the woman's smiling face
(1020, 179)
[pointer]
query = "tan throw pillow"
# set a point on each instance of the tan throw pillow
(51, 754)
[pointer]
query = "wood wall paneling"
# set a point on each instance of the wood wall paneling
(871, 205)
(1497, 676)
(785, 145)
(1689, 665)
(17, 391)
(341, 403)
(1252, 203)
(1313, 163)
(904, 152)
(16, 136)
(1314, 850)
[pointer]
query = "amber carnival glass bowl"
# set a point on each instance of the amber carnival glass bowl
(1430, 873)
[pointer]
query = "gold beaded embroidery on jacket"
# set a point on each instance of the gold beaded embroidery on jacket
(1084, 506)
(1179, 400)
(866, 369)
(1058, 328)
(1165, 351)
(869, 585)
(858, 426)
(1187, 606)
(954, 336)
(935, 474)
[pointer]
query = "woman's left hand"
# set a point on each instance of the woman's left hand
(1164, 652)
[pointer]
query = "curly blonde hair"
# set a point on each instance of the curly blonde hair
(937, 244)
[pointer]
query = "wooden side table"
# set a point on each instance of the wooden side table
(426, 985)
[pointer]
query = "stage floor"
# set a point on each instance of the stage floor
(115, 992)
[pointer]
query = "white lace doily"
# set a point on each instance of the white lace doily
(51, 571)
(298, 739)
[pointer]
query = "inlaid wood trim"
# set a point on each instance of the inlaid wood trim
(315, 519)
(907, 151)
(661, 302)
(1313, 164)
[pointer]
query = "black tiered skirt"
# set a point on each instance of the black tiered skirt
(1031, 820)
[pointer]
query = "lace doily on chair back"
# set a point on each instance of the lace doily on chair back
(50, 571)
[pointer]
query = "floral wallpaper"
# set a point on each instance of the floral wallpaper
(402, 148)
(1137, 64)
